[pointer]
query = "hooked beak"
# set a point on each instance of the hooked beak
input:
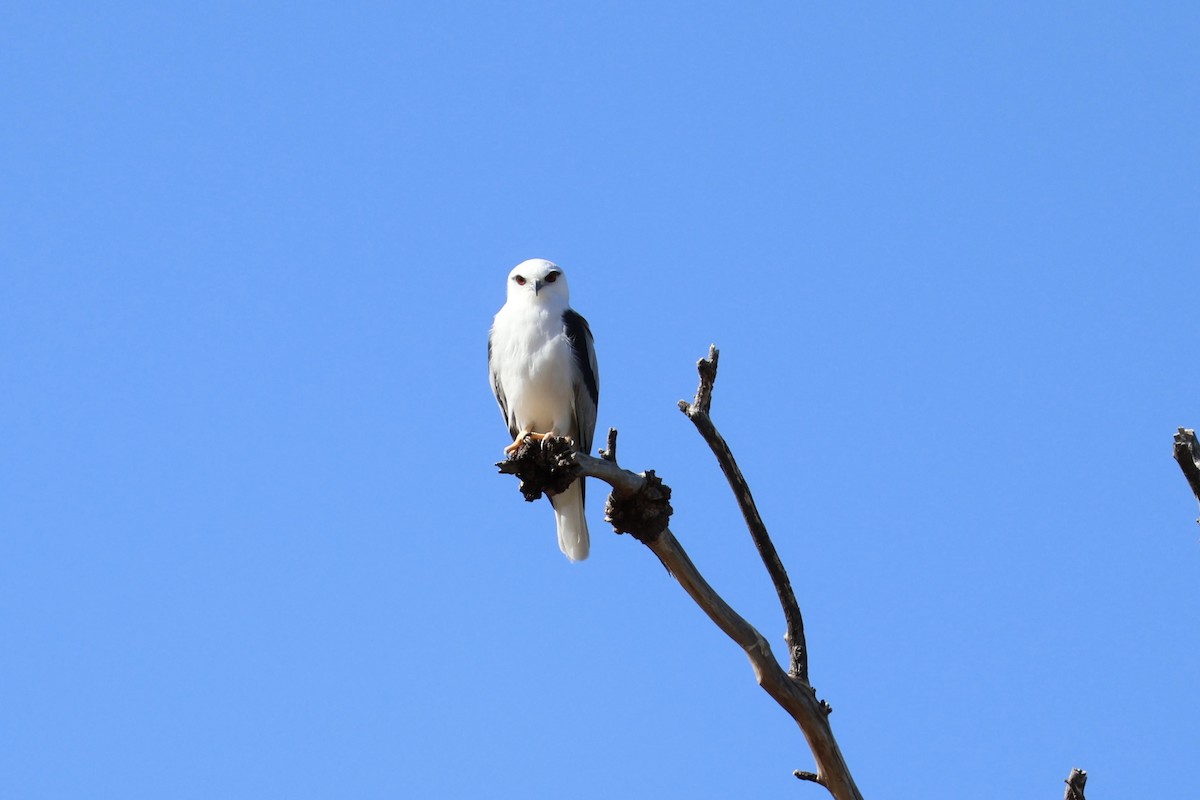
(537, 286)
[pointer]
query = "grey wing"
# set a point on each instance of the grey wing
(587, 379)
(498, 390)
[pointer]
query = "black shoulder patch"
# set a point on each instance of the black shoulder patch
(579, 334)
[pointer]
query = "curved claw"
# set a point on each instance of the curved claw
(512, 448)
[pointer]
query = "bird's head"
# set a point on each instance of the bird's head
(538, 281)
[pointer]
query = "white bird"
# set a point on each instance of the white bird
(543, 369)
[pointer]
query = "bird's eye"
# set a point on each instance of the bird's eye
(520, 281)
(551, 277)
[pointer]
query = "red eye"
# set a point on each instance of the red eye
(551, 277)
(520, 281)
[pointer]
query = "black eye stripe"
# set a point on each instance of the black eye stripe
(552, 277)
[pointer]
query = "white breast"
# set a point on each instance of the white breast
(535, 366)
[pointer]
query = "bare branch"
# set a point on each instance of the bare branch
(1075, 783)
(1187, 453)
(698, 413)
(796, 697)
(551, 465)
(639, 505)
(543, 464)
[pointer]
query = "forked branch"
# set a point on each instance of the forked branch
(640, 505)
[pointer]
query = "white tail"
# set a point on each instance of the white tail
(572, 525)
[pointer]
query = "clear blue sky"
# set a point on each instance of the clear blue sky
(252, 540)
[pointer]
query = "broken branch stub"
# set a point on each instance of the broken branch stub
(1075, 783)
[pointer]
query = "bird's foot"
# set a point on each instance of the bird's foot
(541, 437)
(535, 436)
(516, 445)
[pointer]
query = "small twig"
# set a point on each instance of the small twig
(808, 776)
(609, 453)
(1075, 783)
(1187, 454)
(707, 367)
(698, 413)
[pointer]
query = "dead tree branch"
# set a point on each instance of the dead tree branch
(1075, 783)
(698, 412)
(1187, 454)
(640, 505)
